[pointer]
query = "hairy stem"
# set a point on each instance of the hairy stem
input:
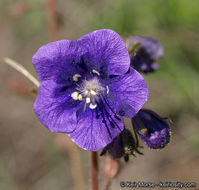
(22, 70)
(94, 171)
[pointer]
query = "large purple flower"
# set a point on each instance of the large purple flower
(86, 85)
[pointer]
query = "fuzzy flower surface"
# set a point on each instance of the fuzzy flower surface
(86, 86)
(148, 51)
(153, 129)
(122, 146)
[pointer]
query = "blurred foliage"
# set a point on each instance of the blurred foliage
(28, 17)
(193, 141)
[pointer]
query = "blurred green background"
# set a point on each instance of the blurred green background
(29, 156)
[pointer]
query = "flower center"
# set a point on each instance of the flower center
(88, 91)
(92, 86)
(92, 93)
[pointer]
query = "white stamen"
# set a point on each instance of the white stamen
(92, 106)
(88, 100)
(75, 95)
(96, 72)
(80, 97)
(93, 92)
(86, 92)
(76, 76)
(107, 89)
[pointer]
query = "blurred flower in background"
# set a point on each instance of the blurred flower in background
(144, 53)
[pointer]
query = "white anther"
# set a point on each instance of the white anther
(75, 95)
(96, 72)
(93, 92)
(76, 76)
(86, 92)
(92, 106)
(80, 97)
(88, 100)
(107, 89)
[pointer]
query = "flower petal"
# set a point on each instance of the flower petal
(156, 140)
(92, 134)
(128, 93)
(54, 108)
(55, 59)
(106, 49)
(152, 128)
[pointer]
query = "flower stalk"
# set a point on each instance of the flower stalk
(94, 170)
(22, 70)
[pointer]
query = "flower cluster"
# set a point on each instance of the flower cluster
(152, 129)
(88, 85)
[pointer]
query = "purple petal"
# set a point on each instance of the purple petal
(128, 93)
(92, 134)
(156, 140)
(55, 58)
(107, 49)
(54, 108)
(160, 138)
(153, 129)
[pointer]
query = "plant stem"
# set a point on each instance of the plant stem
(94, 171)
(22, 70)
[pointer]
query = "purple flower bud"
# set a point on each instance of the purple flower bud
(144, 53)
(123, 145)
(153, 129)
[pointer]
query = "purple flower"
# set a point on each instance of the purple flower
(86, 85)
(147, 51)
(153, 129)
